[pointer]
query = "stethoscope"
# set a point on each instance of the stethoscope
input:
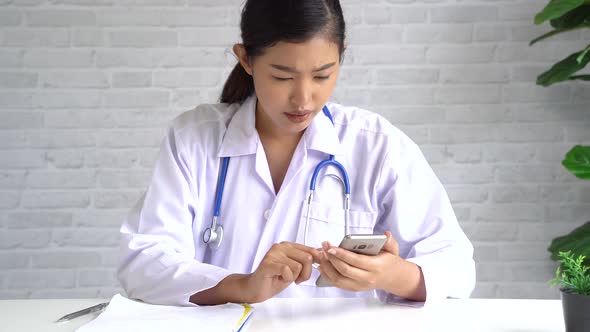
(213, 235)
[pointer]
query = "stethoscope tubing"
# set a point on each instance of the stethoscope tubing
(331, 161)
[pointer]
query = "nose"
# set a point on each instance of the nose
(301, 94)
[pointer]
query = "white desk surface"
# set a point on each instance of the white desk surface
(328, 315)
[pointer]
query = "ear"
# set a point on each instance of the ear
(240, 52)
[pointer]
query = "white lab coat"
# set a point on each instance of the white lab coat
(165, 261)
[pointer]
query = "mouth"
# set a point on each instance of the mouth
(299, 113)
(297, 117)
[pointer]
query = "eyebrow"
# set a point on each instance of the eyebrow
(292, 70)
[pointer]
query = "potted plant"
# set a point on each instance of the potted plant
(573, 276)
(570, 249)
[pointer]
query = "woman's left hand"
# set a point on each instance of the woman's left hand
(356, 272)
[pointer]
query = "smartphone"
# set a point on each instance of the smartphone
(365, 244)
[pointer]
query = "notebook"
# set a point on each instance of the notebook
(126, 315)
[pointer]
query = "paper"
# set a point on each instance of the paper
(127, 315)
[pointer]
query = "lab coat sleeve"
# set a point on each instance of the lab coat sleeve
(415, 207)
(157, 261)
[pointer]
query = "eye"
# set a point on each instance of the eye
(322, 78)
(282, 79)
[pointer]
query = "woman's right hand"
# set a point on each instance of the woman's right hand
(284, 263)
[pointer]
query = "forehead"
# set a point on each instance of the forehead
(309, 54)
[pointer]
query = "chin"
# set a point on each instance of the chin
(294, 129)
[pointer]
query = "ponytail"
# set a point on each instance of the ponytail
(238, 87)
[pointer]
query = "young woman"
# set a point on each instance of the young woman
(251, 159)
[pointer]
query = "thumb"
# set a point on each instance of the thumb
(391, 245)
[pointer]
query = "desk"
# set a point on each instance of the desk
(307, 315)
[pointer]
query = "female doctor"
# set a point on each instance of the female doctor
(249, 161)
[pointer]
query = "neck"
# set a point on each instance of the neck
(277, 137)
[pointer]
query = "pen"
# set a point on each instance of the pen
(89, 310)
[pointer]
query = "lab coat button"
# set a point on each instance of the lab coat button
(266, 214)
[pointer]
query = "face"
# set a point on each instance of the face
(293, 81)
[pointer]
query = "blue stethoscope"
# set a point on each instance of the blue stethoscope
(213, 235)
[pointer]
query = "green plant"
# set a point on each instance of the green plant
(564, 16)
(577, 161)
(569, 15)
(572, 275)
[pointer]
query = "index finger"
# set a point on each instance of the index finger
(360, 261)
(315, 253)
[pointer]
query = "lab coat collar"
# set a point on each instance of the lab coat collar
(242, 139)
(321, 135)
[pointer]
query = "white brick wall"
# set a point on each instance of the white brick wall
(88, 86)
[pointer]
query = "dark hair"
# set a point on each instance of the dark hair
(267, 22)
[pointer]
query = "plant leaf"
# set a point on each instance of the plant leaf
(577, 161)
(576, 17)
(580, 77)
(556, 8)
(562, 70)
(557, 31)
(577, 241)
(580, 57)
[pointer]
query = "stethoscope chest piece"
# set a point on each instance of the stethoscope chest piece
(213, 236)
